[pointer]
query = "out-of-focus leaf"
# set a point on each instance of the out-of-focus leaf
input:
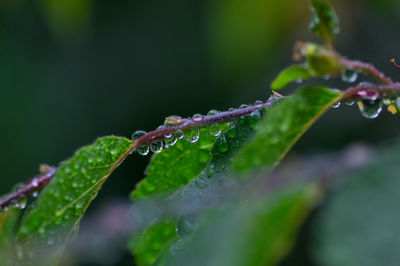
(168, 170)
(292, 73)
(8, 229)
(324, 22)
(359, 225)
(61, 205)
(282, 126)
(149, 247)
(256, 231)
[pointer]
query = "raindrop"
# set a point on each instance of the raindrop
(186, 225)
(137, 134)
(22, 201)
(177, 247)
(202, 182)
(231, 133)
(197, 117)
(349, 102)
(210, 170)
(398, 102)
(336, 105)
(370, 109)
(231, 109)
(242, 106)
(369, 94)
(299, 80)
(215, 130)
(179, 134)
(349, 75)
(326, 77)
(213, 112)
(258, 102)
(193, 135)
(254, 117)
(143, 149)
(170, 141)
(156, 146)
(173, 120)
(35, 194)
(222, 144)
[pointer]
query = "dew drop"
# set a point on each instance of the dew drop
(299, 80)
(197, 117)
(143, 149)
(215, 130)
(213, 112)
(177, 247)
(254, 117)
(369, 94)
(349, 103)
(210, 170)
(35, 194)
(336, 105)
(22, 201)
(326, 77)
(173, 120)
(242, 106)
(258, 102)
(186, 225)
(370, 109)
(170, 141)
(156, 146)
(179, 134)
(137, 134)
(193, 135)
(349, 75)
(398, 102)
(231, 133)
(222, 144)
(202, 182)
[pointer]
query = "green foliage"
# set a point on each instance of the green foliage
(250, 232)
(282, 127)
(360, 223)
(176, 166)
(324, 22)
(292, 73)
(8, 228)
(61, 205)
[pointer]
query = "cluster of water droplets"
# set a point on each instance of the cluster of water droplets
(21, 201)
(191, 135)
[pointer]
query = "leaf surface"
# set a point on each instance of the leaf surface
(282, 126)
(62, 203)
(324, 22)
(292, 73)
(253, 232)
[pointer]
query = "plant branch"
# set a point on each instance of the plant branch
(39, 181)
(34, 184)
(367, 69)
(391, 90)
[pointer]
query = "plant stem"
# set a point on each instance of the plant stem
(34, 184)
(367, 69)
(391, 90)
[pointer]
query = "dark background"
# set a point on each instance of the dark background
(75, 70)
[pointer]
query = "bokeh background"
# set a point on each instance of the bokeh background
(75, 70)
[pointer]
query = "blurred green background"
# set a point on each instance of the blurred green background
(74, 70)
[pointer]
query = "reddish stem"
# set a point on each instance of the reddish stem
(366, 68)
(34, 184)
(385, 91)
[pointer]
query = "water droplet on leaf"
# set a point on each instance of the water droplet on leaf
(179, 134)
(193, 135)
(336, 105)
(215, 130)
(202, 182)
(197, 117)
(222, 144)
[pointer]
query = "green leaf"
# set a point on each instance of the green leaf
(170, 169)
(250, 232)
(175, 166)
(8, 228)
(292, 73)
(359, 225)
(324, 22)
(62, 203)
(282, 126)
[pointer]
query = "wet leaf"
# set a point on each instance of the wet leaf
(292, 73)
(324, 21)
